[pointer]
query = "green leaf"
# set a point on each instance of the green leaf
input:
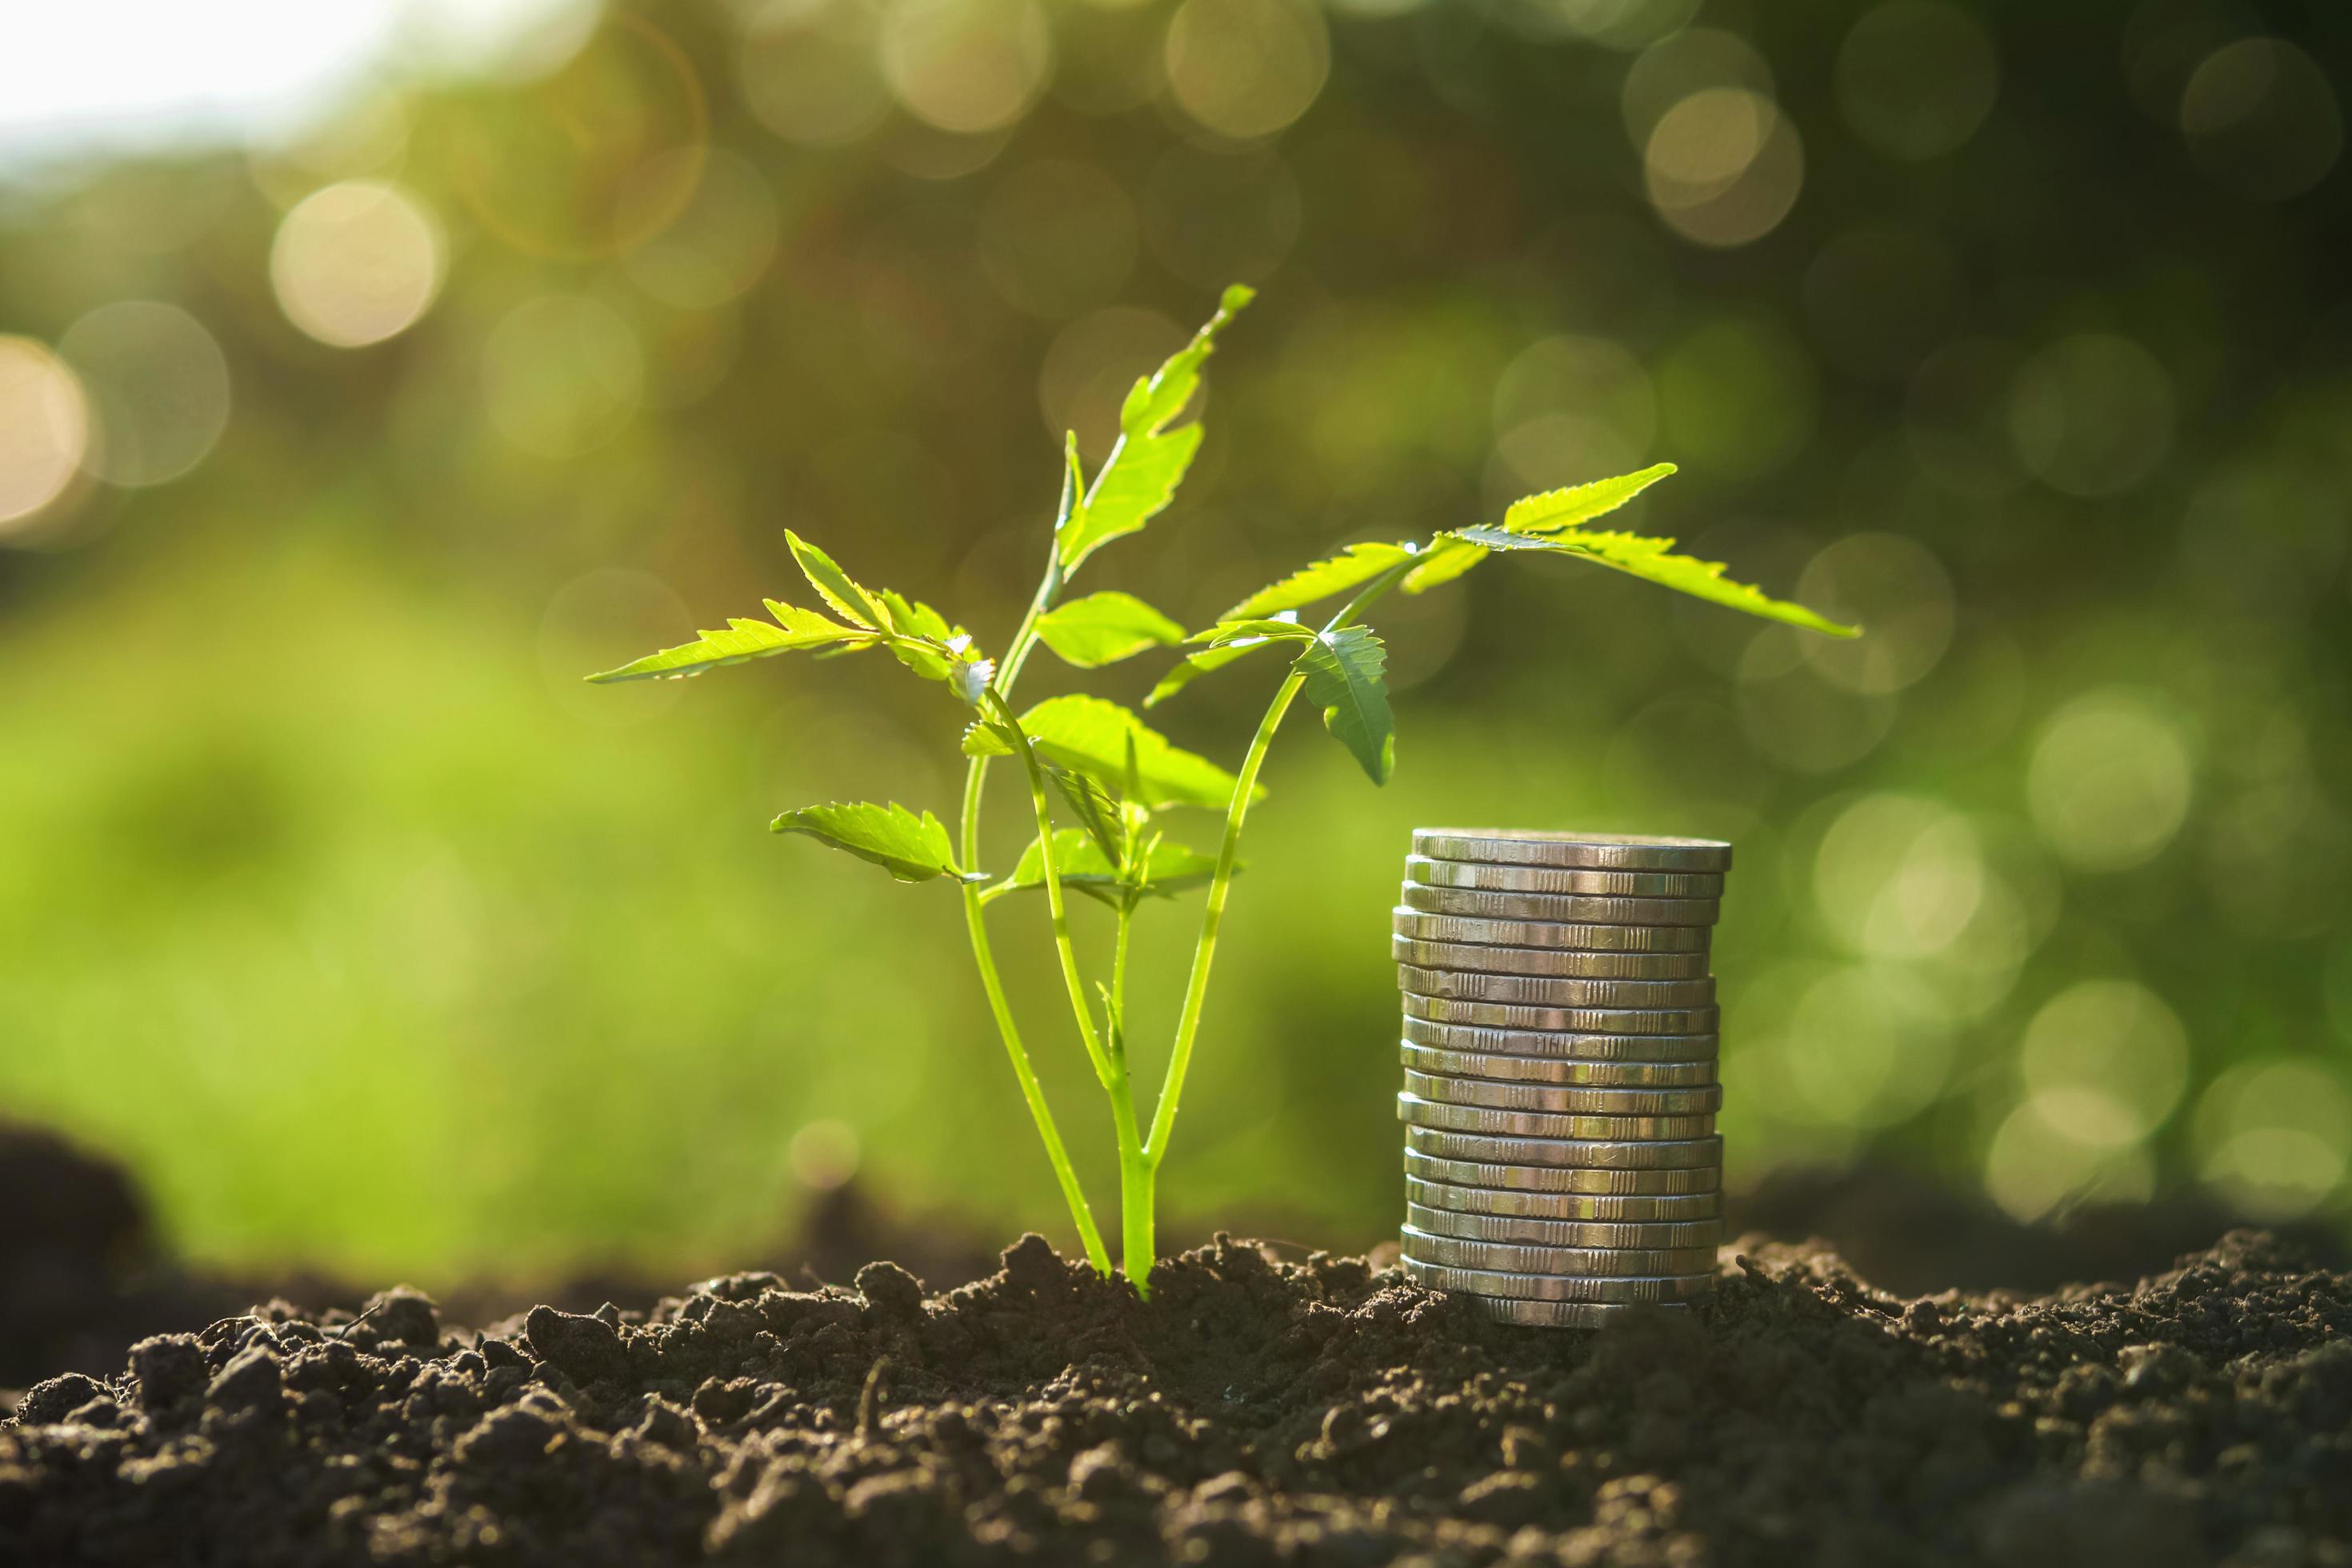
(1284, 627)
(1223, 651)
(794, 629)
(833, 585)
(1356, 564)
(911, 848)
(1090, 736)
(985, 738)
(1653, 561)
(1445, 559)
(1103, 628)
(1343, 679)
(1150, 460)
(913, 618)
(1097, 813)
(1167, 869)
(1580, 503)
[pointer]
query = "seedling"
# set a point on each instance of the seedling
(1119, 783)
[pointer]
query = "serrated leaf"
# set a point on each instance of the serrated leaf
(1103, 628)
(982, 738)
(1149, 461)
(911, 848)
(795, 629)
(1356, 564)
(833, 585)
(913, 618)
(1444, 559)
(1343, 670)
(1091, 736)
(1167, 870)
(1580, 505)
(1653, 560)
(1284, 627)
(1097, 813)
(1223, 653)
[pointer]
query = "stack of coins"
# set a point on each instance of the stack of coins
(1561, 1162)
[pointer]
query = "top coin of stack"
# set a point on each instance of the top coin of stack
(1561, 1162)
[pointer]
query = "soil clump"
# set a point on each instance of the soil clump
(1254, 1411)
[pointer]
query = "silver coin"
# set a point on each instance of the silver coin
(1567, 1074)
(1423, 926)
(1552, 879)
(1607, 1208)
(1548, 991)
(1564, 963)
(1562, 1314)
(1576, 909)
(1563, 1020)
(1458, 1090)
(1576, 851)
(1557, 1287)
(1420, 1112)
(1560, 1045)
(1572, 1154)
(1484, 1171)
(1517, 1256)
(1641, 1234)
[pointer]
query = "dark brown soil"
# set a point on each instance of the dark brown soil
(1253, 1411)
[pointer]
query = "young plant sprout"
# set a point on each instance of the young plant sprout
(1118, 781)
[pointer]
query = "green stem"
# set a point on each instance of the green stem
(1136, 1172)
(976, 922)
(1213, 917)
(1071, 979)
(983, 956)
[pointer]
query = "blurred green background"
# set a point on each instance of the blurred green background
(332, 455)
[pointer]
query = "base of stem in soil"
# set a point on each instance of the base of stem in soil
(1252, 1411)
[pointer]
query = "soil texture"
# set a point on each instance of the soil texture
(1253, 1411)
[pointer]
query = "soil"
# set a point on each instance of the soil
(1253, 1411)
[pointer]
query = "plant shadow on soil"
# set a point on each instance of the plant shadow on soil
(1321, 1411)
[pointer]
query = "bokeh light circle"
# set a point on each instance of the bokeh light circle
(1723, 166)
(561, 374)
(2275, 1136)
(1896, 589)
(1246, 68)
(1898, 876)
(1867, 1047)
(2033, 1166)
(44, 427)
(2262, 120)
(713, 248)
(1681, 64)
(356, 263)
(158, 390)
(1573, 404)
(2104, 1061)
(966, 65)
(810, 72)
(2110, 781)
(1915, 79)
(2092, 414)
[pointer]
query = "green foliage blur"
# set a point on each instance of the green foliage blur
(337, 904)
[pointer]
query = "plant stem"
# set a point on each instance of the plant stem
(1064, 1173)
(1135, 1172)
(984, 957)
(1071, 979)
(1204, 951)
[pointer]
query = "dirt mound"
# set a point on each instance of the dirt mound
(1253, 1411)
